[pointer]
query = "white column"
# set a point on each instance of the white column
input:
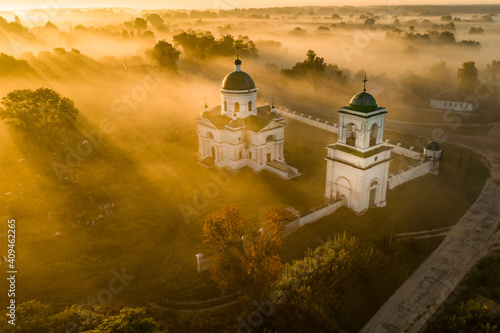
(199, 262)
(329, 176)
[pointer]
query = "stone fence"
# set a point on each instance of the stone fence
(409, 174)
(408, 152)
(313, 216)
(309, 120)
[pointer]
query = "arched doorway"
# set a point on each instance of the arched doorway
(210, 144)
(343, 189)
(270, 142)
(373, 193)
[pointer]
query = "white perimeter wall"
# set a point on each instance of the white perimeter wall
(309, 120)
(407, 175)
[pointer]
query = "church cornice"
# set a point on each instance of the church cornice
(358, 153)
(387, 160)
(354, 114)
(239, 92)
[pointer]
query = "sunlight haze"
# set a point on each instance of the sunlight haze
(215, 4)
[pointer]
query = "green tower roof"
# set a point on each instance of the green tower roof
(363, 102)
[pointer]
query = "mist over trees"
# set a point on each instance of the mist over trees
(207, 46)
(12, 66)
(43, 115)
(165, 54)
(467, 77)
(315, 70)
(123, 88)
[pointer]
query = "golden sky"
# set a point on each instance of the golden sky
(217, 4)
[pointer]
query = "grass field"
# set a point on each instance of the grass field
(148, 236)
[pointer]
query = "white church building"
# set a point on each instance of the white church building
(239, 134)
(358, 164)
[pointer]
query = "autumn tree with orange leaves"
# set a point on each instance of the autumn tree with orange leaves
(245, 256)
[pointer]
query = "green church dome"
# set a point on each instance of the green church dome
(363, 102)
(432, 146)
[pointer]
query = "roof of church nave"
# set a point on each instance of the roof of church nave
(252, 123)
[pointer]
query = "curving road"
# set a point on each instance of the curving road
(474, 236)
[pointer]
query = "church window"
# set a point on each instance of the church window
(236, 107)
(225, 106)
(270, 138)
(351, 135)
(373, 135)
(250, 106)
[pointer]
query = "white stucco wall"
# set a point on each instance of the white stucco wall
(316, 122)
(412, 173)
(320, 213)
(408, 152)
(231, 99)
(452, 105)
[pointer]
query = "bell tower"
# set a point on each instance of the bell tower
(358, 164)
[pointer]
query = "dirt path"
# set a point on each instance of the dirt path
(408, 309)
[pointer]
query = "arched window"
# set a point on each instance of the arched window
(373, 135)
(351, 135)
(250, 106)
(241, 154)
(236, 107)
(210, 135)
(270, 138)
(225, 106)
